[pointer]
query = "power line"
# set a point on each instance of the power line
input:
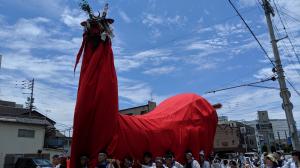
(286, 13)
(273, 78)
(295, 19)
(285, 48)
(292, 45)
(264, 87)
(263, 49)
(294, 88)
(276, 29)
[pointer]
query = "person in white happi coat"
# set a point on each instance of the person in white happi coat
(159, 162)
(147, 163)
(203, 163)
(294, 162)
(171, 162)
(190, 161)
(103, 162)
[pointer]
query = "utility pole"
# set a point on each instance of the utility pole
(31, 97)
(279, 140)
(284, 92)
(0, 61)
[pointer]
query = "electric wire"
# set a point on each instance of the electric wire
(294, 88)
(273, 78)
(286, 13)
(285, 47)
(286, 78)
(286, 33)
(263, 49)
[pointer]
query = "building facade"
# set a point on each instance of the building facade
(139, 110)
(25, 134)
(280, 129)
(270, 132)
(234, 136)
(18, 137)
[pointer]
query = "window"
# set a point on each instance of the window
(26, 133)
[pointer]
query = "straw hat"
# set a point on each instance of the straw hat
(272, 158)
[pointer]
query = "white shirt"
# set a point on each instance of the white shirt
(195, 164)
(205, 164)
(289, 164)
(57, 166)
(146, 166)
(215, 165)
(176, 165)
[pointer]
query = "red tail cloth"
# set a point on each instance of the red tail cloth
(180, 123)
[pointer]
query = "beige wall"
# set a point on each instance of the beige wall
(226, 137)
(10, 143)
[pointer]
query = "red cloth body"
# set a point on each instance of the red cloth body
(182, 122)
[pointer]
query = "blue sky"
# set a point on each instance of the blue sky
(161, 48)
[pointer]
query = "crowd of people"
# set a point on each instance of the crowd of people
(266, 160)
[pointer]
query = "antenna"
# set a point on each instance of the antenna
(151, 96)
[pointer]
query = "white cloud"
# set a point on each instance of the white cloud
(36, 33)
(200, 45)
(247, 3)
(154, 20)
(291, 5)
(264, 73)
(126, 64)
(48, 8)
(155, 33)
(125, 17)
(152, 53)
(25, 56)
(244, 103)
(137, 92)
(151, 20)
(229, 29)
(73, 18)
(25, 29)
(206, 66)
(160, 70)
(209, 46)
(153, 57)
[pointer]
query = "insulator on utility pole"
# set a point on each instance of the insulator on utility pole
(284, 92)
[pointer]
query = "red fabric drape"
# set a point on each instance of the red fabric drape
(96, 108)
(182, 122)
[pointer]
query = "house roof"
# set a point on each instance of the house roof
(12, 111)
(23, 120)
